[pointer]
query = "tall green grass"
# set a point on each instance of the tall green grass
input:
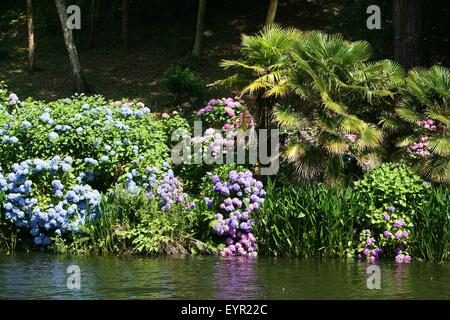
(431, 233)
(306, 221)
(316, 221)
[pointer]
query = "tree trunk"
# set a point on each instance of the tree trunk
(92, 26)
(199, 31)
(31, 44)
(80, 84)
(125, 24)
(407, 20)
(271, 13)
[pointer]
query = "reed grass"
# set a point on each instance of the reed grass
(316, 221)
(431, 233)
(301, 221)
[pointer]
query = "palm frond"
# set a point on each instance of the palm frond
(294, 152)
(334, 144)
(369, 138)
(352, 123)
(289, 119)
(409, 115)
(440, 146)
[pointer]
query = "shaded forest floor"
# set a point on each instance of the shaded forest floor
(154, 46)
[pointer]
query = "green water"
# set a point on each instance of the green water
(43, 276)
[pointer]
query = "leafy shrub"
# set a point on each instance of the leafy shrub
(224, 119)
(391, 185)
(173, 122)
(102, 139)
(3, 95)
(184, 84)
(389, 197)
(57, 156)
(225, 114)
(388, 232)
(151, 230)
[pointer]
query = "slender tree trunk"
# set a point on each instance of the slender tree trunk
(80, 84)
(271, 13)
(407, 20)
(31, 44)
(199, 31)
(125, 24)
(92, 26)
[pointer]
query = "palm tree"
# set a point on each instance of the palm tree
(262, 70)
(425, 108)
(337, 85)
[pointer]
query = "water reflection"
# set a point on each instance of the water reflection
(235, 278)
(43, 276)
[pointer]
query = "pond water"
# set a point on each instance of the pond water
(43, 276)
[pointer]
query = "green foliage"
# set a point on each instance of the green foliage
(335, 80)
(424, 108)
(94, 125)
(431, 232)
(263, 65)
(10, 22)
(391, 185)
(263, 69)
(132, 223)
(8, 232)
(388, 199)
(339, 88)
(173, 122)
(306, 221)
(322, 221)
(184, 84)
(3, 95)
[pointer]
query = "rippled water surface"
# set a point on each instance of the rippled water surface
(43, 276)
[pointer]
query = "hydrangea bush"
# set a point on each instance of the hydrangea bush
(160, 185)
(102, 138)
(390, 233)
(224, 119)
(234, 199)
(43, 196)
(61, 154)
(389, 196)
(226, 114)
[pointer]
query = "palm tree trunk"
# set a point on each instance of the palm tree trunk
(271, 13)
(80, 84)
(407, 20)
(199, 31)
(125, 24)
(31, 44)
